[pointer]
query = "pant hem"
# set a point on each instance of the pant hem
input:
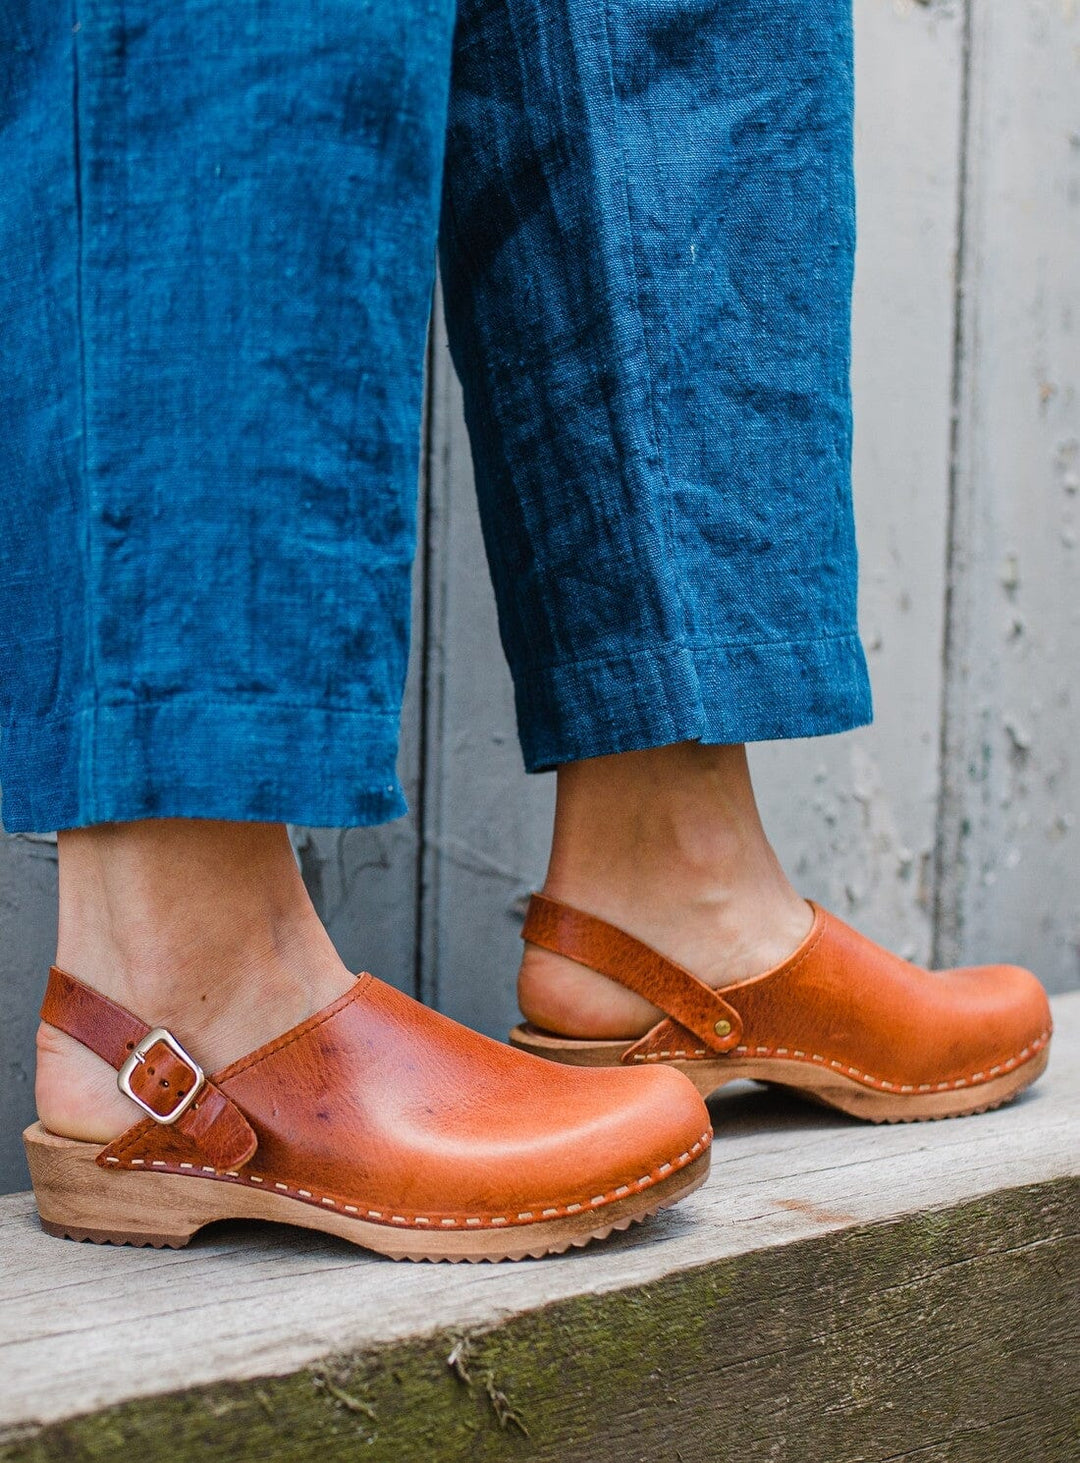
(720, 694)
(245, 760)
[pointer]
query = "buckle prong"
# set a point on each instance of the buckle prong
(138, 1056)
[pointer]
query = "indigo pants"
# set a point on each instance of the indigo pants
(219, 225)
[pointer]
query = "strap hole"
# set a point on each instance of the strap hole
(164, 1083)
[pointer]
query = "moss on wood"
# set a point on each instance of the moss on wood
(944, 1337)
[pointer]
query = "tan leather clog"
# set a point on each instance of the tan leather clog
(377, 1120)
(841, 1021)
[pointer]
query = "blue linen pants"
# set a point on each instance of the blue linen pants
(218, 233)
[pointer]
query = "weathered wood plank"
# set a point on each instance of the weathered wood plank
(1010, 850)
(941, 1336)
(83, 1329)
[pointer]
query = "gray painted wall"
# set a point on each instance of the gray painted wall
(948, 829)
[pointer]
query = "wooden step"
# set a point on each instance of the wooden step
(837, 1293)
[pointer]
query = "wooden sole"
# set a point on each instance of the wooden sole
(79, 1200)
(809, 1078)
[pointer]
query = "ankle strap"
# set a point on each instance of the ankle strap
(591, 941)
(153, 1070)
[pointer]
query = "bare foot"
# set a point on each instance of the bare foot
(202, 927)
(667, 844)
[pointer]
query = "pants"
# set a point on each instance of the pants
(218, 232)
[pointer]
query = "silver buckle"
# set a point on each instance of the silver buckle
(138, 1056)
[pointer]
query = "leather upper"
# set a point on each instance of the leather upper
(838, 1000)
(381, 1107)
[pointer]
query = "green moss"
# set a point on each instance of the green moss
(855, 1346)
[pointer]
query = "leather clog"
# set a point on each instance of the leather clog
(841, 1021)
(376, 1119)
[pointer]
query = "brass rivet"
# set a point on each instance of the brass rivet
(722, 1028)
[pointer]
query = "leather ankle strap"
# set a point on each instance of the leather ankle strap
(603, 947)
(157, 1074)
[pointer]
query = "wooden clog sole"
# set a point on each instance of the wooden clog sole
(813, 1077)
(77, 1199)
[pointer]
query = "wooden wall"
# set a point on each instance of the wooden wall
(949, 828)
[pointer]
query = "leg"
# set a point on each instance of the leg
(647, 246)
(208, 532)
(647, 294)
(210, 404)
(206, 544)
(660, 242)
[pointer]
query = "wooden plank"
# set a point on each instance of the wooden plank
(854, 817)
(83, 1329)
(1010, 850)
(896, 1341)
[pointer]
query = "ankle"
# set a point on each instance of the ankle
(231, 961)
(667, 841)
(666, 844)
(185, 921)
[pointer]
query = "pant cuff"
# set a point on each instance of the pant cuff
(714, 694)
(192, 758)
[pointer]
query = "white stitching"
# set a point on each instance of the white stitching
(450, 1223)
(882, 1082)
